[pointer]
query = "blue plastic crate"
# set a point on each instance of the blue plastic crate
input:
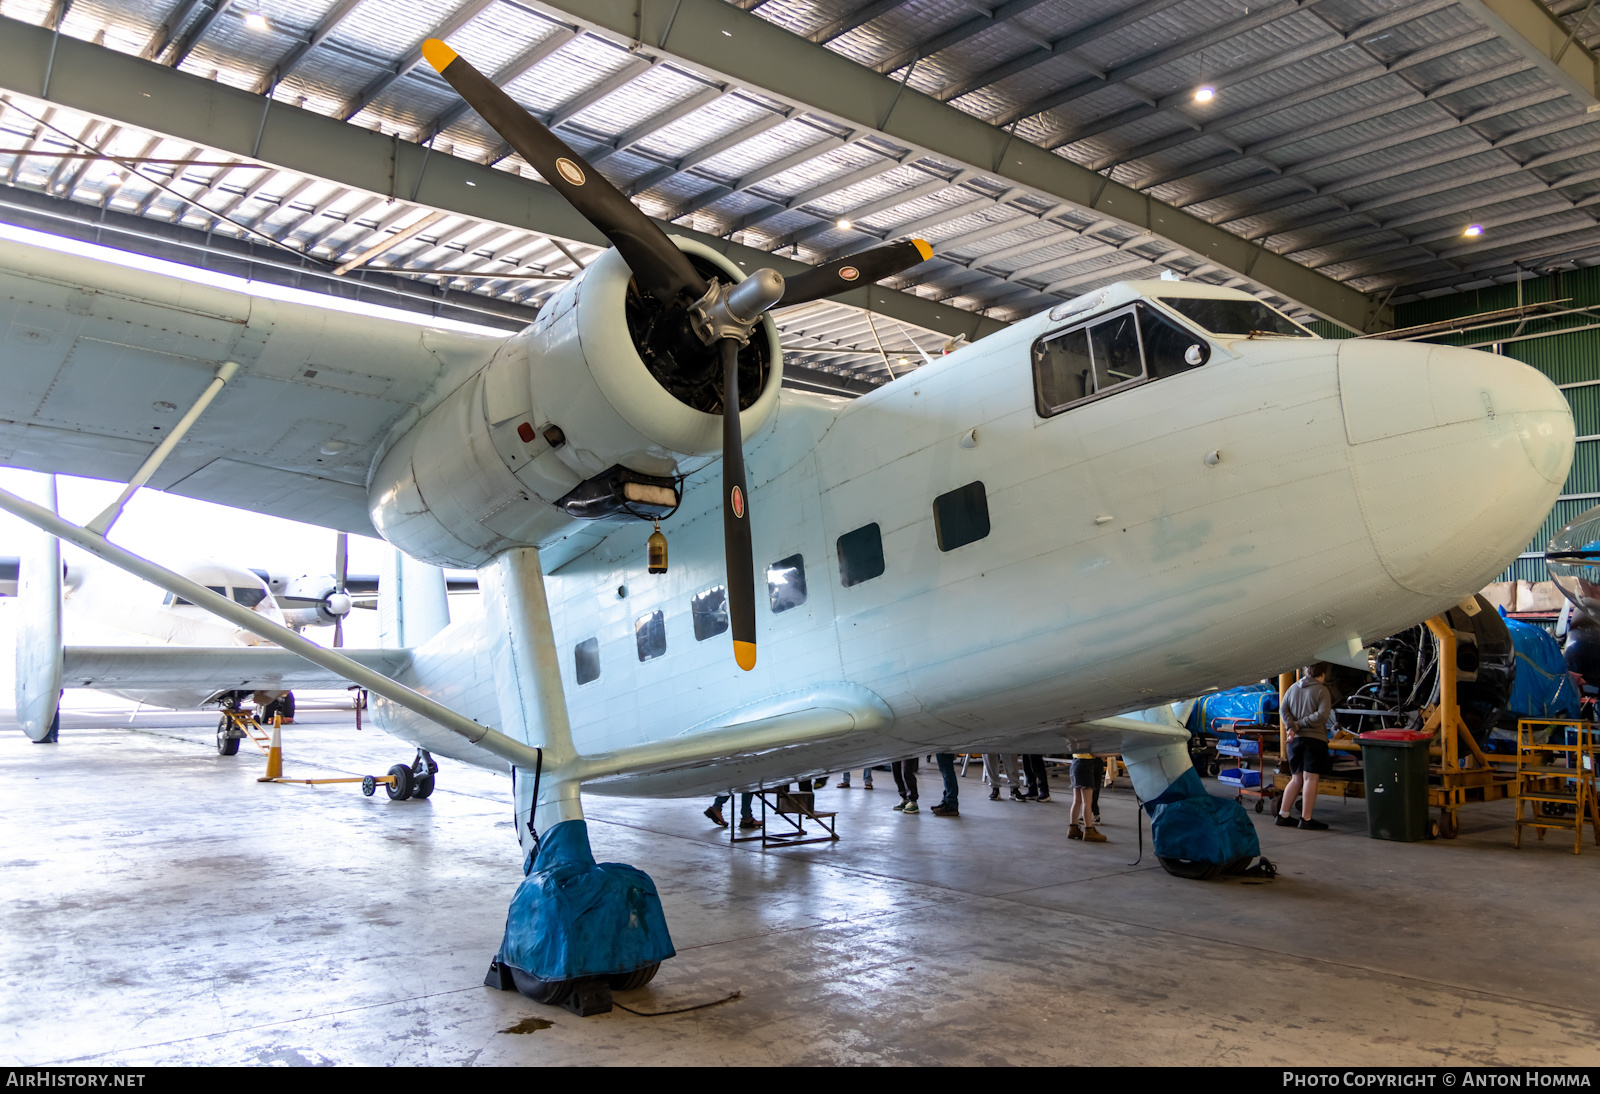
(1233, 776)
(1238, 746)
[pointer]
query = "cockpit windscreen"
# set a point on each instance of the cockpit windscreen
(1235, 317)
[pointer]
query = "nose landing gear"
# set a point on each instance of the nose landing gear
(404, 782)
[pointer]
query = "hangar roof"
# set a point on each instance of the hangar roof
(1358, 138)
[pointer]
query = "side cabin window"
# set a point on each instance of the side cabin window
(650, 631)
(710, 612)
(586, 656)
(1127, 347)
(786, 584)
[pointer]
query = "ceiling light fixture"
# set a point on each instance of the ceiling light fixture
(1473, 231)
(255, 20)
(843, 224)
(1204, 93)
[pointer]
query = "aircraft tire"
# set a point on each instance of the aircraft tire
(638, 978)
(422, 785)
(400, 789)
(227, 744)
(1191, 870)
(553, 992)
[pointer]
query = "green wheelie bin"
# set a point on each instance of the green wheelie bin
(1395, 762)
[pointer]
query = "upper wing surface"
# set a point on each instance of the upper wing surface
(99, 359)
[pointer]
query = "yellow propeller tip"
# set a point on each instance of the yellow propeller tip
(437, 54)
(922, 248)
(745, 654)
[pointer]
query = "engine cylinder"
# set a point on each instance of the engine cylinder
(565, 402)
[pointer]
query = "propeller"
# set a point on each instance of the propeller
(660, 268)
(858, 269)
(692, 325)
(341, 574)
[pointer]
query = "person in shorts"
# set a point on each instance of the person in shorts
(1086, 773)
(1307, 711)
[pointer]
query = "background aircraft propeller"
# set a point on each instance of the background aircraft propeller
(341, 575)
(706, 322)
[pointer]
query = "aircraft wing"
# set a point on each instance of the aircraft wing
(100, 359)
(1103, 736)
(211, 668)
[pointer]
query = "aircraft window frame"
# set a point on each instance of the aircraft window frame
(247, 597)
(959, 514)
(790, 591)
(860, 554)
(586, 661)
(1143, 315)
(1182, 304)
(173, 600)
(650, 635)
(709, 620)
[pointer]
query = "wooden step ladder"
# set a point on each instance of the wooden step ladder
(1555, 777)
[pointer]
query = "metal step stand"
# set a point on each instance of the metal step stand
(792, 807)
(1555, 777)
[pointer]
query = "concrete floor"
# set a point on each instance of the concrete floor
(162, 907)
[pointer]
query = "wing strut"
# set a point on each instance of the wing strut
(101, 524)
(508, 749)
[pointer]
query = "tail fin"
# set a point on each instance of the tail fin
(39, 648)
(413, 602)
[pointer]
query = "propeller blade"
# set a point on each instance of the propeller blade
(660, 268)
(341, 561)
(865, 268)
(338, 633)
(736, 516)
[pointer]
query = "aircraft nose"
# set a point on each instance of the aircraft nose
(1457, 456)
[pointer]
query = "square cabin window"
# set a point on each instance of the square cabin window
(786, 584)
(586, 655)
(710, 612)
(650, 631)
(860, 555)
(961, 516)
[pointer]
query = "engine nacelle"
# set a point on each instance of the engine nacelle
(566, 425)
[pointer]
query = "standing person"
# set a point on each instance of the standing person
(747, 816)
(905, 777)
(1086, 775)
(1306, 712)
(992, 763)
(950, 806)
(866, 779)
(1038, 780)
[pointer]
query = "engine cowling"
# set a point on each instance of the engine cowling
(566, 425)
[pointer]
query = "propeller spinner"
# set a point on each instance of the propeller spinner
(706, 323)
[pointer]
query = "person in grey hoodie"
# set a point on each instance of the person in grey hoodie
(1306, 712)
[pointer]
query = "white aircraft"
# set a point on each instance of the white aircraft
(106, 613)
(1153, 490)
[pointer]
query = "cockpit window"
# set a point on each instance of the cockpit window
(1128, 347)
(1118, 358)
(248, 597)
(1236, 317)
(220, 590)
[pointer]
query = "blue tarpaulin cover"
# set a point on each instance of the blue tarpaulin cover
(1252, 702)
(1188, 823)
(1541, 688)
(573, 917)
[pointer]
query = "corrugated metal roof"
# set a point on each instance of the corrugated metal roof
(1356, 136)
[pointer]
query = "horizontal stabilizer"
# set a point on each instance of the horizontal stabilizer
(212, 668)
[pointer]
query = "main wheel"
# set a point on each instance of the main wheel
(421, 785)
(638, 978)
(1188, 868)
(400, 789)
(227, 744)
(553, 992)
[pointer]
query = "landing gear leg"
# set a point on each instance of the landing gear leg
(423, 769)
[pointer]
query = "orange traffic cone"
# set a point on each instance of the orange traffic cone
(274, 756)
